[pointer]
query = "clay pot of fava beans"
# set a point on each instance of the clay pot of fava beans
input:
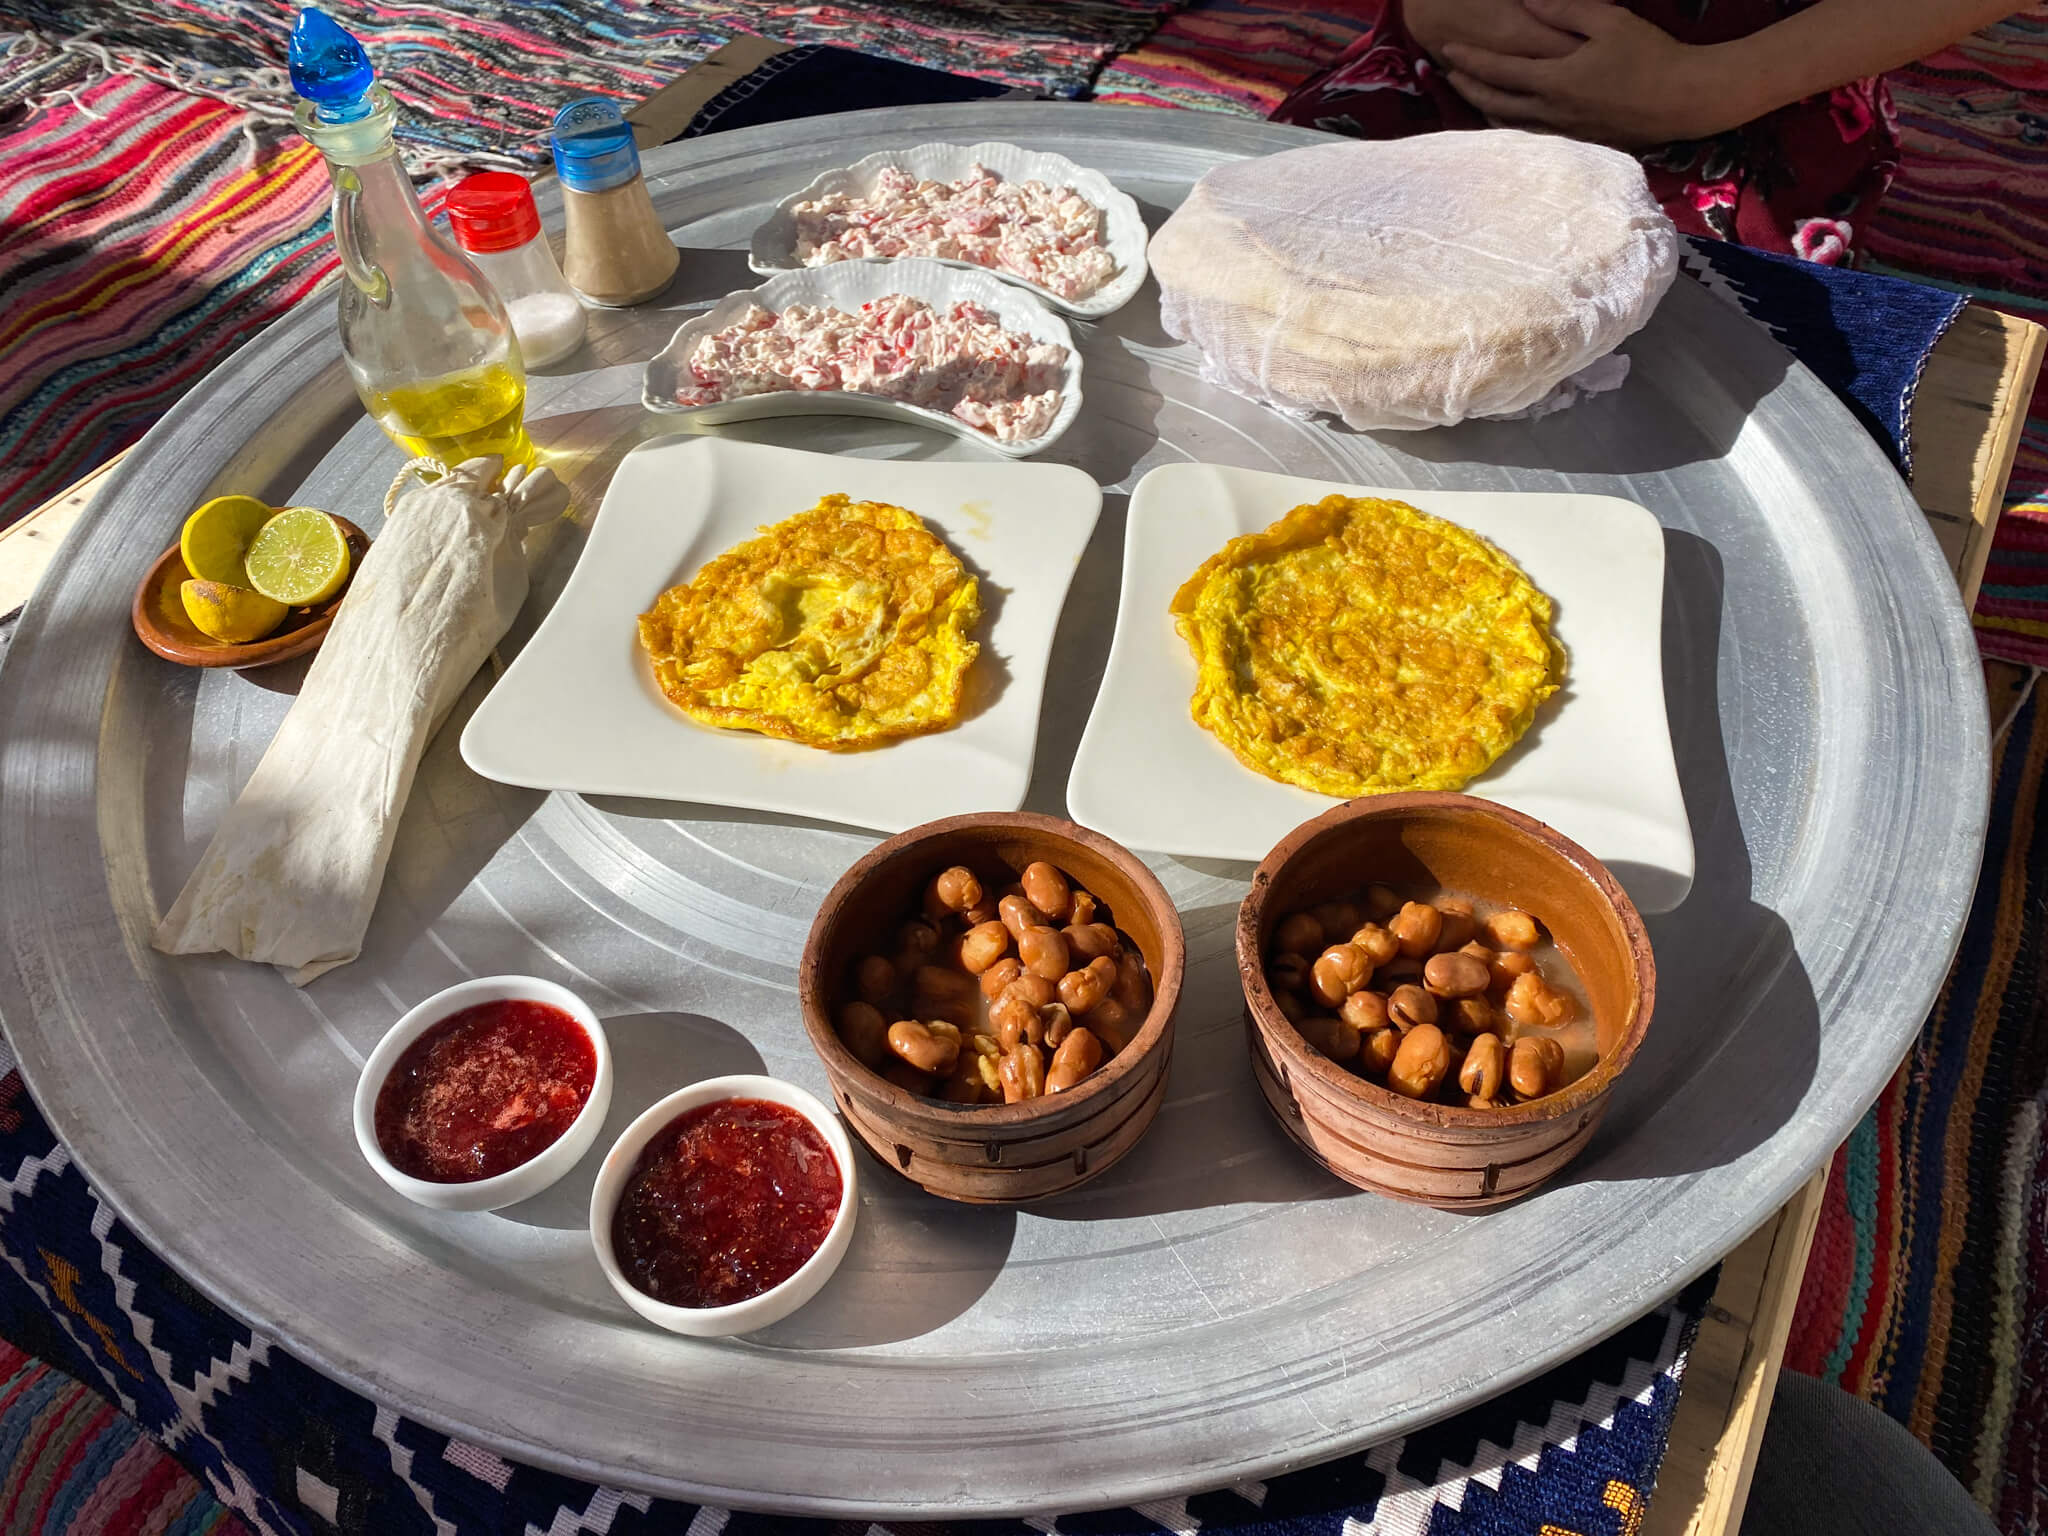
(1446, 1155)
(994, 1153)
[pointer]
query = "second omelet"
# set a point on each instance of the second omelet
(1360, 646)
(842, 627)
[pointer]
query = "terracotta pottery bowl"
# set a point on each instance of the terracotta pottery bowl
(1444, 1155)
(993, 1153)
(158, 615)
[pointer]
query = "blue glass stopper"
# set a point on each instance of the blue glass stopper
(329, 68)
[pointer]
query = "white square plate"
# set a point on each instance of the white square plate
(1597, 765)
(579, 708)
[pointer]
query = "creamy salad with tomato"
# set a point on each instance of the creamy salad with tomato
(1051, 236)
(958, 360)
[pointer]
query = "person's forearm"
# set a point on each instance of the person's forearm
(1835, 41)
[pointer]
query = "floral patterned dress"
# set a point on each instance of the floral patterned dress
(1803, 179)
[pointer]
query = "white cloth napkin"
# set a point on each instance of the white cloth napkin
(293, 871)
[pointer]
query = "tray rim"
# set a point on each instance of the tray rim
(301, 368)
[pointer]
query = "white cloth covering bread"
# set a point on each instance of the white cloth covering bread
(292, 873)
(1417, 282)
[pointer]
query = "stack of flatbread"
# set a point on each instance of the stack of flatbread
(1419, 282)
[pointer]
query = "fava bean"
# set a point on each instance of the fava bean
(1083, 909)
(1472, 1016)
(865, 1032)
(1016, 1021)
(1533, 1003)
(1047, 889)
(907, 1077)
(1043, 951)
(1485, 1067)
(874, 979)
(1409, 1007)
(954, 890)
(1455, 975)
(1512, 930)
(916, 942)
(1133, 989)
(995, 981)
(986, 910)
(1299, 934)
(1291, 1007)
(965, 1086)
(1376, 1051)
(1019, 914)
(1022, 1072)
(1506, 967)
(1381, 903)
(1365, 1011)
(930, 1047)
(1337, 917)
(1059, 1023)
(1536, 1067)
(1459, 923)
(1091, 941)
(1422, 1062)
(1341, 971)
(1333, 1037)
(939, 993)
(1081, 990)
(1289, 971)
(1380, 946)
(1415, 927)
(1035, 990)
(1079, 1054)
(983, 945)
(1114, 1024)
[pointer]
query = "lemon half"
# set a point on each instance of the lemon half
(230, 613)
(299, 557)
(217, 537)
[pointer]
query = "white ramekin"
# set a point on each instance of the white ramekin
(778, 1301)
(538, 1171)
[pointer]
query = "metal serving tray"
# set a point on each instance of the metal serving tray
(1215, 1309)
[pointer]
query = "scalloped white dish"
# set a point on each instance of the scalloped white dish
(774, 243)
(848, 285)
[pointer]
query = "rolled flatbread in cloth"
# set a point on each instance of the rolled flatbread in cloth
(293, 871)
(1417, 282)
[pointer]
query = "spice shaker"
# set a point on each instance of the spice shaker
(616, 251)
(496, 224)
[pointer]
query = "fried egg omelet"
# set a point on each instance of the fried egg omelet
(842, 627)
(1360, 646)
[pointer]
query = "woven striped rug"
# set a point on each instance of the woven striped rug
(71, 1464)
(144, 234)
(1927, 1292)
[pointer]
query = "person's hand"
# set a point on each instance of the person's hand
(1630, 83)
(1499, 26)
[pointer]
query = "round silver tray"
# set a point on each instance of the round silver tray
(1214, 1309)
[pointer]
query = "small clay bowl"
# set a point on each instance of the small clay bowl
(994, 1154)
(160, 623)
(1449, 1156)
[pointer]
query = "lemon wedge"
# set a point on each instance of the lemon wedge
(299, 557)
(218, 535)
(230, 613)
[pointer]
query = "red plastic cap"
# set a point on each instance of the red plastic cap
(492, 211)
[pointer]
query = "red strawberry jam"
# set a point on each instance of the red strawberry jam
(725, 1203)
(485, 1090)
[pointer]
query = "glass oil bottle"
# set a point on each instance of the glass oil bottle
(427, 341)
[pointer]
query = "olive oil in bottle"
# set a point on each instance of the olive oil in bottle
(458, 416)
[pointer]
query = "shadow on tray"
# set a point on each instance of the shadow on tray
(1737, 1022)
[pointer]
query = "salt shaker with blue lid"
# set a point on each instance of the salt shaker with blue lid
(615, 249)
